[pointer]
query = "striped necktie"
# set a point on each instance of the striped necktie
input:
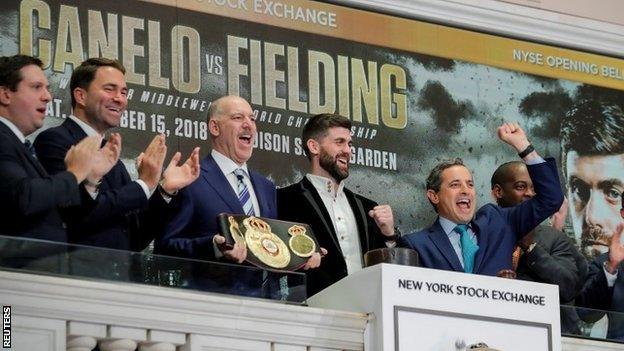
(469, 247)
(243, 192)
(31, 149)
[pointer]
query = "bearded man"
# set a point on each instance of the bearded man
(346, 224)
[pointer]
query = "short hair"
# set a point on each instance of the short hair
(434, 180)
(595, 125)
(10, 66)
(318, 126)
(84, 74)
(502, 172)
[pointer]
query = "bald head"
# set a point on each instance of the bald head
(232, 126)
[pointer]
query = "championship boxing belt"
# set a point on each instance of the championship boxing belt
(271, 244)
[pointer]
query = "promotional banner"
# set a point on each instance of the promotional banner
(417, 93)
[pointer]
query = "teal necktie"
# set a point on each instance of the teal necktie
(469, 247)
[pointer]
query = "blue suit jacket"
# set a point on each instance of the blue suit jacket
(121, 217)
(189, 232)
(497, 229)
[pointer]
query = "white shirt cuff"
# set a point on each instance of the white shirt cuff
(145, 188)
(534, 161)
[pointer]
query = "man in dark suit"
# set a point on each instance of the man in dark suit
(31, 198)
(345, 223)
(116, 212)
(465, 240)
(547, 255)
(604, 287)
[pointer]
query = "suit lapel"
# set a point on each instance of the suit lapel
(315, 201)
(262, 200)
(360, 217)
(482, 240)
(22, 150)
(442, 242)
(216, 179)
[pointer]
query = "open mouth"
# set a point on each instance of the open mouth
(343, 161)
(464, 204)
(114, 109)
(245, 139)
(42, 110)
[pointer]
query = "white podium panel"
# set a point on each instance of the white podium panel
(425, 309)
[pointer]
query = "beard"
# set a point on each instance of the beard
(594, 241)
(330, 164)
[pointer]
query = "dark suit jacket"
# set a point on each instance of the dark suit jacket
(121, 217)
(30, 196)
(554, 260)
(300, 202)
(497, 229)
(597, 294)
(189, 232)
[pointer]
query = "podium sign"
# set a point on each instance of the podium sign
(425, 309)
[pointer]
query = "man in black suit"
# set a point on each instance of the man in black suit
(31, 197)
(116, 212)
(346, 224)
(547, 254)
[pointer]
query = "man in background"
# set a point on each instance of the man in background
(547, 255)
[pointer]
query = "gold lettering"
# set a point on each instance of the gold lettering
(102, 43)
(180, 34)
(364, 89)
(44, 46)
(316, 59)
(235, 68)
(272, 75)
(294, 104)
(386, 73)
(68, 39)
(153, 57)
(130, 49)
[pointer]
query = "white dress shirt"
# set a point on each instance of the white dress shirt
(343, 219)
(227, 166)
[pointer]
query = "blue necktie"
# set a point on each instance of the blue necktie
(469, 247)
(243, 193)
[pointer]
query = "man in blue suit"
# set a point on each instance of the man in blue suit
(191, 232)
(465, 240)
(225, 185)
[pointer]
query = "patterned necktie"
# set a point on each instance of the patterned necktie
(243, 193)
(30, 148)
(469, 247)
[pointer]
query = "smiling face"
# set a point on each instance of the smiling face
(516, 187)
(455, 200)
(26, 106)
(334, 152)
(105, 99)
(233, 128)
(595, 185)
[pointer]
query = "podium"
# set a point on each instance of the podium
(426, 309)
